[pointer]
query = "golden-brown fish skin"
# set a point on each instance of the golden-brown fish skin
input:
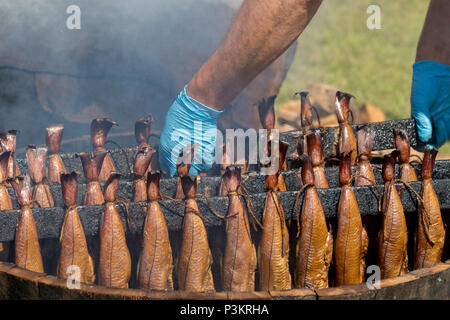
(93, 196)
(26, 242)
(36, 158)
(195, 258)
(73, 246)
(140, 167)
(347, 140)
(8, 143)
(315, 246)
(27, 249)
(91, 168)
(42, 196)
(393, 235)
(282, 151)
(142, 131)
(315, 153)
(155, 264)
(114, 268)
(55, 164)
(348, 248)
(239, 262)
(74, 249)
(403, 150)
(430, 236)
(273, 250)
(408, 173)
(5, 199)
(99, 131)
(351, 239)
(364, 172)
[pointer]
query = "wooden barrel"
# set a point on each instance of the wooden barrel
(427, 283)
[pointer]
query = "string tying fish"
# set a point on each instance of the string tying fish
(297, 215)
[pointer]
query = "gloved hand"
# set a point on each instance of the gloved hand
(188, 121)
(430, 101)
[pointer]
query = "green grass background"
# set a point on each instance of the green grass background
(338, 49)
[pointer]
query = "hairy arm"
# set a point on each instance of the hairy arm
(260, 33)
(434, 42)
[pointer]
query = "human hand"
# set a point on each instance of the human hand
(188, 121)
(430, 101)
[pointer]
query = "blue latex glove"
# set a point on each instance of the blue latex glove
(188, 121)
(430, 101)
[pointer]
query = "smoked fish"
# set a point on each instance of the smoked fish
(195, 258)
(155, 266)
(73, 246)
(26, 242)
(364, 172)
(351, 243)
(315, 246)
(36, 159)
(55, 164)
(91, 168)
(407, 172)
(240, 259)
(430, 236)
(141, 163)
(393, 236)
(99, 131)
(114, 267)
(347, 140)
(315, 153)
(273, 250)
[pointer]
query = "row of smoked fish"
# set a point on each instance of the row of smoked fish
(315, 247)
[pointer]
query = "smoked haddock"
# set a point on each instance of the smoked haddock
(26, 242)
(347, 140)
(114, 267)
(364, 173)
(73, 246)
(351, 243)
(315, 246)
(273, 250)
(99, 131)
(155, 266)
(55, 164)
(91, 168)
(239, 262)
(315, 153)
(36, 158)
(393, 236)
(8, 143)
(407, 172)
(141, 164)
(195, 258)
(430, 236)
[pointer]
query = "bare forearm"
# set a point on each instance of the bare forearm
(260, 33)
(434, 42)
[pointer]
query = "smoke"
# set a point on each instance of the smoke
(129, 59)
